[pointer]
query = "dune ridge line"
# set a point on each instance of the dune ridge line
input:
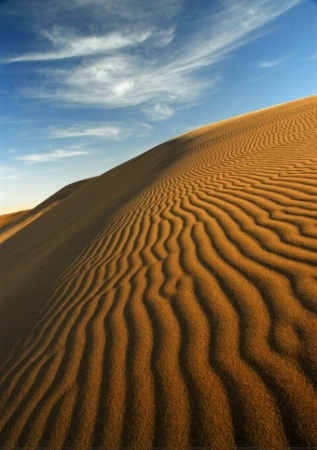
(172, 301)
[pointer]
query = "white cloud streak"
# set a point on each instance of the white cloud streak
(269, 64)
(70, 46)
(159, 111)
(156, 69)
(52, 156)
(110, 131)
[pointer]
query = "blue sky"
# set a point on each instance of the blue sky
(88, 84)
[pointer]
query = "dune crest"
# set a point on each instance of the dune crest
(171, 302)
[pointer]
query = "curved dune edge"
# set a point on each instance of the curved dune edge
(10, 224)
(171, 302)
(8, 219)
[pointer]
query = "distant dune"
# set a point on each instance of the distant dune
(14, 222)
(8, 219)
(172, 301)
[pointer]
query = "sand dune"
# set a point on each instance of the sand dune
(14, 222)
(8, 219)
(171, 302)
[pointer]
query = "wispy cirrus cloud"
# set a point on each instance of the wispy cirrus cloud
(70, 46)
(158, 111)
(109, 131)
(51, 156)
(270, 63)
(155, 69)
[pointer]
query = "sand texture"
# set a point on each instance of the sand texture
(172, 301)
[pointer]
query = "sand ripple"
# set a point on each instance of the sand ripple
(180, 313)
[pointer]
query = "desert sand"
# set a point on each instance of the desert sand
(172, 301)
(14, 222)
(8, 219)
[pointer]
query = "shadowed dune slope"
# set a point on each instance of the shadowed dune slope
(12, 223)
(8, 219)
(171, 302)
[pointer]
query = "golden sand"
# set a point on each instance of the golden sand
(8, 219)
(171, 302)
(14, 222)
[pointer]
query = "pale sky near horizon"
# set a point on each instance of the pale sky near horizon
(88, 84)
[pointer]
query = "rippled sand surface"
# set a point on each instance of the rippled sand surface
(171, 302)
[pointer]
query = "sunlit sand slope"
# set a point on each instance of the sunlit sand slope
(8, 219)
(12, 223)
(171, 302)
